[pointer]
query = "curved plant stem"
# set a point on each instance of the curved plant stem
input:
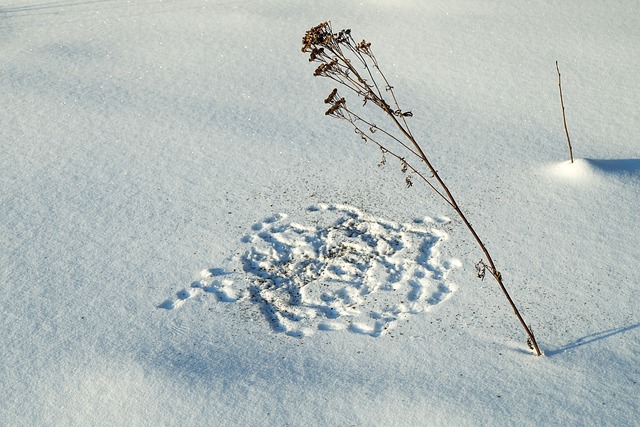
(337, 53)
(492, 267)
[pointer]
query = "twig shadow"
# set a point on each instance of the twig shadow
(617, 166)
(588, 339)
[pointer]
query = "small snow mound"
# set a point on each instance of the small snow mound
(579, 170)
(587, 170)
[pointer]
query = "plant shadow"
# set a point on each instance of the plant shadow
(588, 339)
(617, 166)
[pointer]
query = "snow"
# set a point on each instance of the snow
(356, 272)
(161, 162)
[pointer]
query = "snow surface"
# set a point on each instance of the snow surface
(167, 175)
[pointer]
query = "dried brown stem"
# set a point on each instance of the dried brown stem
(326, 47)
(564, 118)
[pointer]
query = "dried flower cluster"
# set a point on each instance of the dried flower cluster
(353, 66)
(336, 54)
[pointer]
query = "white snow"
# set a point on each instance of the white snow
(168, 183)
(357, 272)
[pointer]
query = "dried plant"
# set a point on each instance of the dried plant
(355, 68)
(564, 118)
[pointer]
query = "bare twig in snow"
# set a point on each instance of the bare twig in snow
(564, 119)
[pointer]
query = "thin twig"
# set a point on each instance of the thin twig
(564, 119)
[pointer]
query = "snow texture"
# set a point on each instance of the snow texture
(355, 272)
(160, 264)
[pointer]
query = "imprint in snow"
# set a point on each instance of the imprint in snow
(350, 272)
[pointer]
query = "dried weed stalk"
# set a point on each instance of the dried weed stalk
(564, 118)
(355, 68)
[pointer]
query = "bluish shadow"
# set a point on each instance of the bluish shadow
(588, 339)
(617, 166)
(219, 272)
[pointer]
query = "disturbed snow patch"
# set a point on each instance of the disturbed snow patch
(348, 271)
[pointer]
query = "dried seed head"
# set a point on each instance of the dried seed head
(320, 70)
(404, 167)
(408, 181)
(318, 35)
(335, 107)
(481, 270)
(343, 36)
(326, 68)
(315, 53)
(364, 47)
(383, 161)
(400, 113)
(332, 97)
(529, 344)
